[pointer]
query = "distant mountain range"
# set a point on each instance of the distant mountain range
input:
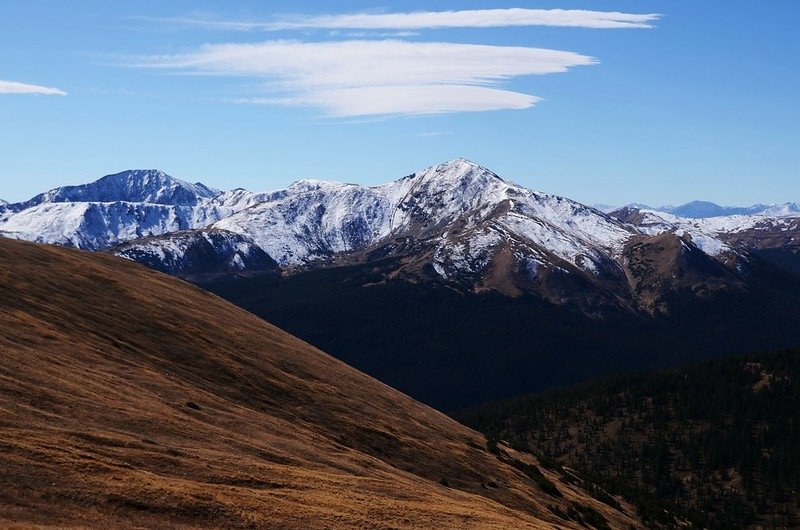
(706, 209)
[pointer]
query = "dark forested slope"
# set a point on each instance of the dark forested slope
(453, 349)
(718, 442)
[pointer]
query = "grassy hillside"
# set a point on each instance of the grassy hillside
(717, 442)
(131, 399)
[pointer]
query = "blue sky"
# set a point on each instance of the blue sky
(702, 105)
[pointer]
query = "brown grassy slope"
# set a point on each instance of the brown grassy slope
(129, 398)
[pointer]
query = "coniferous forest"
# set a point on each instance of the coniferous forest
(716, 445)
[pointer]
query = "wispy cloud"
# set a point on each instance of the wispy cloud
(361, 77)
(408, 100)
(432, 134)
(13, 87)
(471, 18)
(373, 34)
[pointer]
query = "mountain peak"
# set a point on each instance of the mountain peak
(458, 171)
(134, 185)
(461, 161)
(462, 165)
(149, 181)
(311, 184)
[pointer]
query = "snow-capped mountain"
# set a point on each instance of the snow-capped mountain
(142, 185)
(456, 222)
(95, 225)
(119, 208)
(787, 209)
(312, 223)
(460, 223)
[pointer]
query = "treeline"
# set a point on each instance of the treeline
(715, 444)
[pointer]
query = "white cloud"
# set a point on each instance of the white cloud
(408, 99)
(357, 77)
(13, 87)
(471, 18)
(430, 134)
(375, 35)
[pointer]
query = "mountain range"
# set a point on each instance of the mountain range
(456, 223)
(705, 209)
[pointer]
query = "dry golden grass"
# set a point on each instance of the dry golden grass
(131, 399)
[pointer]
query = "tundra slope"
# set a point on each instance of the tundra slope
(132, 399)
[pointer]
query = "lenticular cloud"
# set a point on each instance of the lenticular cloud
(365, 77)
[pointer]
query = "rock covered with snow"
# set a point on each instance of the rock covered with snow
(198, 254)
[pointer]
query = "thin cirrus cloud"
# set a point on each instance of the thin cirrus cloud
(14, 87)
(469, 18)
(377, 77)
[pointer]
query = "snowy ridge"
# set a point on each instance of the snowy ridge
(118, 208)
(788, 209)
(94, 226)
(306, 225)
(708, 210)
(142, 185)
(714, 227)
(198, 252)
(459, 195)
(704, 209)
(652, 222)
